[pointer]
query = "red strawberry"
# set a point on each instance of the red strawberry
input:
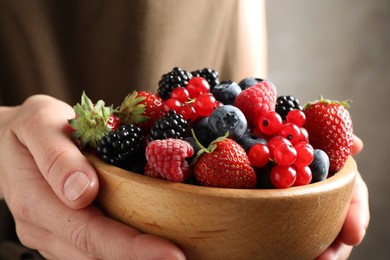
(168, 158)
(141, 108)
(224, 164)
(92, 121)
(330, 129)
(255, 100)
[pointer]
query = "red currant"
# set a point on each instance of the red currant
(172, 104)
(270, 122)
(181, 94)
(304, 176)
(283, 176)
(285, 154)
(291, 132)
(296, 117)
(274, 142)
(188, 111)
(259, 155)
(304, 135)
(204, 104)
(197, 86)
(305, 154)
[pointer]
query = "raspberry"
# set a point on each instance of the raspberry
(172, 125)
(168, 158)
(151, 172)
(175, 78)
(121, 146)
(255, 100)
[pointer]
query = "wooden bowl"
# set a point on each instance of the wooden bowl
(217, 223)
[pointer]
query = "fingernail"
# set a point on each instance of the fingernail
(75, 185)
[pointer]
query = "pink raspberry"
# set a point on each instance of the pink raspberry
(151, 172)
(168, 156)
(255, 100)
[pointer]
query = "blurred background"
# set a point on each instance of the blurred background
(340, 49)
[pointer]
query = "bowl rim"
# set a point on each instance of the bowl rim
(338, 180)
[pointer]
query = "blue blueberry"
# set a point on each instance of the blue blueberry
(320, 166)
(248, 82)
(228, 118)
(195, 146)
(226, 92)
(249, 139)
(203, 132)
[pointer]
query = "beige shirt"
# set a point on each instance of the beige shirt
(108, 48)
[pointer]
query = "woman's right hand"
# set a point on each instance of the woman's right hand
(49, 187)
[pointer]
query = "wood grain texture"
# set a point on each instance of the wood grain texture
(218, 223)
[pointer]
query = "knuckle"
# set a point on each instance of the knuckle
(80, 237)
(19, 208)
(24, 236)
(51, 160)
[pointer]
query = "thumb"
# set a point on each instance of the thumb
(45, 132)
(357, 145)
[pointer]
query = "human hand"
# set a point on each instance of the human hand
(357, 219)
(49, 187)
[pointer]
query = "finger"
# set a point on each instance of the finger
(47, 244)
(46, 135)
(93, 233)
(337, 250)
(357, 145)
(358, 216)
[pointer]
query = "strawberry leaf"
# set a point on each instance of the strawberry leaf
(132, 109)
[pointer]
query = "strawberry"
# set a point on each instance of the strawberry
(224, 164)
(141, 108)
(168, 158)
(92, 121)
(330, 129)
(255, 100)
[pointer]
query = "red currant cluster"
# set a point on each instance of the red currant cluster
(193, 100)
(288, 148)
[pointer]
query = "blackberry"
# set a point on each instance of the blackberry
(121, 146)
(285, 104)
(172, 125)
(210, 75)
(175, 78)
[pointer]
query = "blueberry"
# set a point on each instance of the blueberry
(203, 132)
(228, 118)
(226, 92)
(248, 82)
(320, 166)
(249, 139)
(195, 146)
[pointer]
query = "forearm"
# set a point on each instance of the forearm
(252, 39)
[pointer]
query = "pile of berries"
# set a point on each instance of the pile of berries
(198, 129)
